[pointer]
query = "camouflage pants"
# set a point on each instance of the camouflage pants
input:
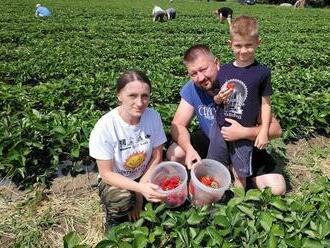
(117, 202)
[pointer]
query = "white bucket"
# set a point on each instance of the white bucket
(201, 194)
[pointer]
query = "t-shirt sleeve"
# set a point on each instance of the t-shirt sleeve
(266, 86)
(159, 133)
(100, 145)
(187, 93)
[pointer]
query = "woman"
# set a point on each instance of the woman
(127, 144)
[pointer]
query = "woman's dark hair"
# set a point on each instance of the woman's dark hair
(130, 76)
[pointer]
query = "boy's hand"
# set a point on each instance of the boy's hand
(261, 141)
(222, 96)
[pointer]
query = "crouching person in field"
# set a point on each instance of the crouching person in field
(158, 14)
(171, 13)
(42, 11)
(127, 144)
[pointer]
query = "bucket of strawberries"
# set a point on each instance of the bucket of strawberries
(172, 179)
(209, 181)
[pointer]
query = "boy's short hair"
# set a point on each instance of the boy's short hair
(244, 26)
(195, 51)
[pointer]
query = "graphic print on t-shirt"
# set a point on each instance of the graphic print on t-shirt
(234, 106)
(206, 111)
(134, 158)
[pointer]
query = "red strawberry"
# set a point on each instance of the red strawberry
(206, 180)
(230, 85)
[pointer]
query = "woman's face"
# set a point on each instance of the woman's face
(134, 99)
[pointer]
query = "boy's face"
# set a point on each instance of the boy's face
(244, 48)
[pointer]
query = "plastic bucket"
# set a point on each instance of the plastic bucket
(167, 170)
(201, 194)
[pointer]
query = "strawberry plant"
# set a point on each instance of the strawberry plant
(58, 75)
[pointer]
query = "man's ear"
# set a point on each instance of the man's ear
(229, 43)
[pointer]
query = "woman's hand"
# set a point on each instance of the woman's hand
(151, 193)
(135, 213)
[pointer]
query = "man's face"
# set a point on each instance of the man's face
(244, 48)
(203, 71)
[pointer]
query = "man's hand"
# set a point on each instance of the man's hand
(192, 157)
(234, 132)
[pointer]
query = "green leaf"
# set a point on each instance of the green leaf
(75, 151)
(195, 219)
(248, 211)
(266, 220)
(215, 236)
(239, 192)
(200, 237)
(71, 240)
(140, 241)
(193, 232)
(104, 244)
(272, 242)
(59, 130)
(221, 220)
(279, 204)
(277, 230)
(311, 243)
(253, 195)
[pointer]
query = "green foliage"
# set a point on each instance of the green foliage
(252, 219)
(58, 74)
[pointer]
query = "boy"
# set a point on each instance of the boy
(245, 86)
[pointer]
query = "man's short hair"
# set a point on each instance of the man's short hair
(195, 51)
(244, 26)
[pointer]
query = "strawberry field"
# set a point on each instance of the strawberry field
(58, 75)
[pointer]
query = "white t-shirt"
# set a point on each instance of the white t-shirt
(157, 9)
(129, 146)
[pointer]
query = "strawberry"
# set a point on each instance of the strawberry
(230, 85)
(206, 180)
(170, 183)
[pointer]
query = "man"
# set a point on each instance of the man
(197, 99)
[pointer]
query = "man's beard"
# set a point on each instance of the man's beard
(214, 90)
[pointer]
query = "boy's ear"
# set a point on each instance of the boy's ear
(229, 43)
